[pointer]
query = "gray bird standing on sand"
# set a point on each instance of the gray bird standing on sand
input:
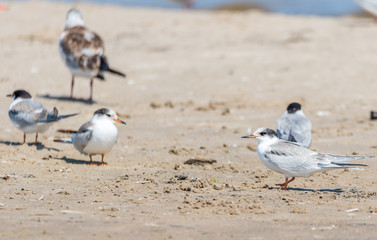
(83, 51)
(30, 116)
(97, 136)
(294, 126)
(293, 160)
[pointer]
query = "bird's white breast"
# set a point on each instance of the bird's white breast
(262, 149)
(103, 137)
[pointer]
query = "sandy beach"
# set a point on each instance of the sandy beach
(196, 82)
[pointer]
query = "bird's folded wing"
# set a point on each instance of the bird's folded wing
(292, 157)
(301, 131)
(83, 135)
(28, 112)
(283, 128)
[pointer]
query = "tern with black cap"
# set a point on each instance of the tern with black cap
(98, 136)
(293, 160)
(30, 116)
(294, 126)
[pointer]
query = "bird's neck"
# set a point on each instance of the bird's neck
(266, 142)
(299, 113)
(73, 21)
(101, 120)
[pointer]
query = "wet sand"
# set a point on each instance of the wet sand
(196, 82)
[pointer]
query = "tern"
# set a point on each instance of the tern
(30, 116)
(294, 126)
(98, 136)
(293, 160)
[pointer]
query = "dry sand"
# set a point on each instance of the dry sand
(197, 81)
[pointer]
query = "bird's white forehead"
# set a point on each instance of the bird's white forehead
(259, 130)
(74, 12)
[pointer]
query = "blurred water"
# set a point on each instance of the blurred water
(307, 7)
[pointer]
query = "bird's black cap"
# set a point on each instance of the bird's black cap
(293, 107)
(21, 94)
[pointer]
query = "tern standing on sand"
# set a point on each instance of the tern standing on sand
(293, 160)
(30, 116)
(294, 126)
(97, 136)
(83, 51)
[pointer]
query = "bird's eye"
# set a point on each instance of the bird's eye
(263, 133)
(108, 115)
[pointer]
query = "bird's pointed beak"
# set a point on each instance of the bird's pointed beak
(249, 136)
(120, 121)
(9, 95)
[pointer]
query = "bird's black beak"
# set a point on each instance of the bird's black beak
(249, 136)
(9, 95)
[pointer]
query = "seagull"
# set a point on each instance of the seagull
(97, 136)
(294, 126)
(83, 51)
(293, 160)
(30, 116)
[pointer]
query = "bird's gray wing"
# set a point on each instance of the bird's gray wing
(301, 131)
(295, 159)
(28, 112)
(283, 127)
(81, 138)
(292, 158)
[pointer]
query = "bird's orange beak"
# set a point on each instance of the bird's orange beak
(249, 136)
(9, 95)
(120, 121)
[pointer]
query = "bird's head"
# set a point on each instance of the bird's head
(74, 18)
(263, 134)
(19, 94)
(109, 114)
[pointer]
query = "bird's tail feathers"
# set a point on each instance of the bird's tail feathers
(105, 67)
(67, 116)
(116, 72)
(342, 166)
(350, 165)
(54, 118)
(340, 159)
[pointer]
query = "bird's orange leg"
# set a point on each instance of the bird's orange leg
(285, 184)
(102, 163)
(91, 161)
(36, 138)
(24, 138)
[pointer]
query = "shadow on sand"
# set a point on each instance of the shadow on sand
(324, 190)
(39, 146)
(335, 190)
(67, 99)
(74, 161)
